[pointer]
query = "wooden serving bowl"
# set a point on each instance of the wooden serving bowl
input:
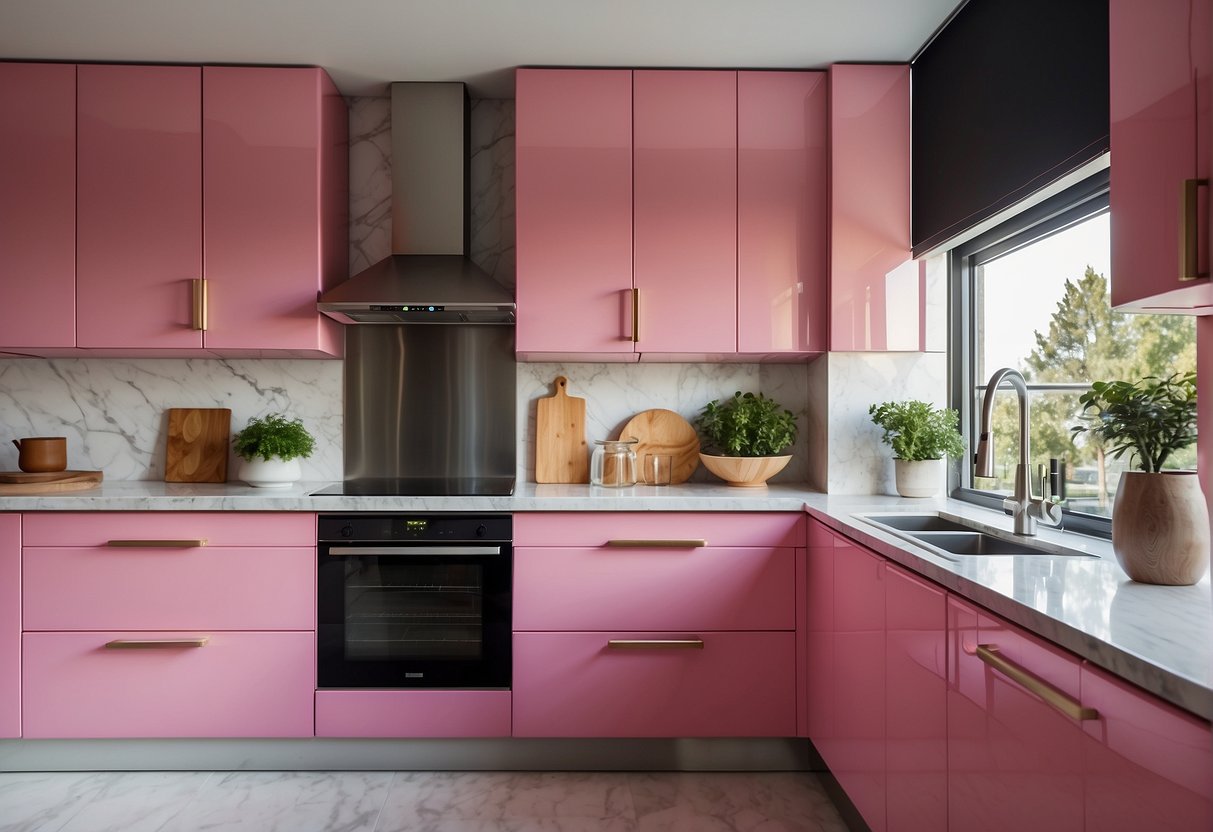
(745, 471)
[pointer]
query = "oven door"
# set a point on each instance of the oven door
(414, 615)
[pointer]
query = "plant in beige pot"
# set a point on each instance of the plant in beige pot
(747, 435)
(1160, 521)
(271, 449)
(921, 436)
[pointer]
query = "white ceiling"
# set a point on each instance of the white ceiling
(365, 44)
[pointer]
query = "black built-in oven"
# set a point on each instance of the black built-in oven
(414, 601)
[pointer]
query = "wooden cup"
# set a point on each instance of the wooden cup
(42, 454)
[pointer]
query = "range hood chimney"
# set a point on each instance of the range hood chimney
(428, 278)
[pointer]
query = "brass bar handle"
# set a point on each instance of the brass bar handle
(635, 316)
(1189, 230)
(155, 643)
(201, 303)
(655, 644)
(1069, 706)
(657, 544)
(156, 544)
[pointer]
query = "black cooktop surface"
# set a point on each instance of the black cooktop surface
(422, 487)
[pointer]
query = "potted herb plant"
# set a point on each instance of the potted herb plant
(1160, 522)
(271, 448)
(748, 435)
(920, 435)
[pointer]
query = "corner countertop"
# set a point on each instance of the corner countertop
(1159, 638)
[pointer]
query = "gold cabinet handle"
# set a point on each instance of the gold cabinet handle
(655, 644)
(155, 643)
(157, 544)
(201, 303)
(1069, 706)
(635, 316)
(657, 544)
(1189, 231)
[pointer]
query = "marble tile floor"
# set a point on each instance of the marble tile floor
(384, 801)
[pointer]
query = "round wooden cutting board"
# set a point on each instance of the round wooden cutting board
(664, 432)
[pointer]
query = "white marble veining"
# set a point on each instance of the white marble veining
(114, 412)
(614, 393)
(370, 181)
(492, 188)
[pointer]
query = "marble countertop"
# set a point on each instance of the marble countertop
(1160, 638)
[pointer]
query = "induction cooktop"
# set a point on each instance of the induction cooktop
(421, 487)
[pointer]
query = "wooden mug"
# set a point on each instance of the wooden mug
(42, 454)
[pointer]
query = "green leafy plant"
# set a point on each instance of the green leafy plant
(747, 425)
(273, 436)
(1152, 417)
(917, 430)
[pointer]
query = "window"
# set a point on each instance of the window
(1032, 294)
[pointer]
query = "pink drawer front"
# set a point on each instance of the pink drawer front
(576, 685)
(237, 685)
(597, 528)
(222, 588)
(216, 528)
(412, 713)
(605, 588)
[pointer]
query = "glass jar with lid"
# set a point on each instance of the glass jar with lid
(613, 464)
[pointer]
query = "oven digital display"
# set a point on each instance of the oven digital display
(416, 525)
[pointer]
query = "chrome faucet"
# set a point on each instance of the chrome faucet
(1023, 506)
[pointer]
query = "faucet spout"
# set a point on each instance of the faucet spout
(1023, 506)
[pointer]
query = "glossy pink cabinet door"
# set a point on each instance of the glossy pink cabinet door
(877, 298)
(1148, 765)
(1014, 762)
(412, 713)
(139, 205)
(267, 148)
(685, 210)
(782, 204)
(574, 211)
(819, 685)
(576, 685)
(10, 625)
(37, 205)
(859, 680)
(1160, 59)
(916, 719)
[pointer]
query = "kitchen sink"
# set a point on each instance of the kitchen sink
(954, 538)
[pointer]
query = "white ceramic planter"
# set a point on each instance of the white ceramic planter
(918, 477)
(270, 473)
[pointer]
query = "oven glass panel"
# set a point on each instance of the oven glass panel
(396, 609)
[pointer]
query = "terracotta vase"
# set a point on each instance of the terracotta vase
(1160, 527)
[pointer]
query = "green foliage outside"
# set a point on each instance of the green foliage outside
(916, 430)
(274, 436)
(747, 425)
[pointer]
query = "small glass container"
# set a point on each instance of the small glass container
(613, 464)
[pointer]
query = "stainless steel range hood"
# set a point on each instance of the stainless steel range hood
(428, 279)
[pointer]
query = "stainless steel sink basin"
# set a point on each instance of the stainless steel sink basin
(953, 538)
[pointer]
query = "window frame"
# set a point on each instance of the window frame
(1081, 201)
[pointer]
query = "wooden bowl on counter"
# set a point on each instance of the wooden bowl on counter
(745, 471)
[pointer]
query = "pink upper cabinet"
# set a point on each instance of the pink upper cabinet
(139, 205)
(685, 212)
(574, 204)
(877, 297)
(37, 205)
(266, 148)
(10, 625)
(1148, 765)
(1160, 56)
(782, 243)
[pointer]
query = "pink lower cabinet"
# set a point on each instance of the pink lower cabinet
(413, 713)
(1148, 765)
(10, 625)
(916, 718)
(1014, 728)
(168, 684)
(629, 684)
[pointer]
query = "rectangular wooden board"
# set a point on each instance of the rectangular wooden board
(197, 447)
(561, 452)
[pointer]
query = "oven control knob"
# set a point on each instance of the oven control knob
(481, 531)
(347, 531)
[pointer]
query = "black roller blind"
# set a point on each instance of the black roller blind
(1009, 96)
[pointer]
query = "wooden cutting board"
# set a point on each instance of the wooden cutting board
(664, 432)
(15, 483)
(561, 452)
(197, 444)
